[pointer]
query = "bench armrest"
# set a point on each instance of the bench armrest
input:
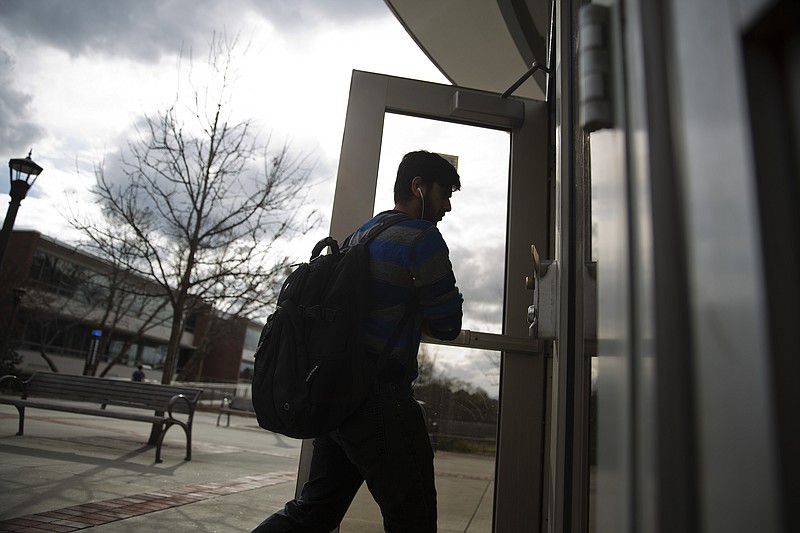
(178, 398)
(8, 379)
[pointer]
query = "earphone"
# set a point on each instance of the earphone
(422, 214)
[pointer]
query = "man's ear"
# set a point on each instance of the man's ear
(416, 185)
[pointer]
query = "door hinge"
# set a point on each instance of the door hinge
(596, 109)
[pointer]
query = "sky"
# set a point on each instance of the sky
(77, 75)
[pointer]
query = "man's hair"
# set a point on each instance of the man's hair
(432, 168)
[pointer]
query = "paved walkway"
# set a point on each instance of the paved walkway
(74, 472)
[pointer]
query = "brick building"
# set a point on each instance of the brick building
(61, 306)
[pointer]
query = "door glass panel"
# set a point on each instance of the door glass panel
(458, 387)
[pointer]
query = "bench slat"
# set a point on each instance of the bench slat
(86, 388)
(34, 404)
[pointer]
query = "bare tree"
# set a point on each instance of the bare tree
(120, 300)
(127, 305)
(196, 210)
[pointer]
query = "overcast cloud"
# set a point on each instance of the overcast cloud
(16, 131)
(141, 31)
(146, 29)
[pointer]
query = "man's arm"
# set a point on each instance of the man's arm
(439, 299)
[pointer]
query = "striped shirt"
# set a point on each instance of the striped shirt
(410, 266)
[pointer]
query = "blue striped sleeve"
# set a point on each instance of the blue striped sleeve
(439, 299)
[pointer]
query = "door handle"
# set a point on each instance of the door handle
(543, 313)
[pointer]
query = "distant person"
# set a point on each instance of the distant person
(138, 374)
(385, 442)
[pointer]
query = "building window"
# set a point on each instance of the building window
(246, 371)
(251, 337)
(58, 275)
(152, 354)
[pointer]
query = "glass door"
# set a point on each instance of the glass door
(485, 393)
(459, 387)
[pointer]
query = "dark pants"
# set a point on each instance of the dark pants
(386, 444)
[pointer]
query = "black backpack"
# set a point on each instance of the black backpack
(311, 368)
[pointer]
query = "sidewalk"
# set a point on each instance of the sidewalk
(84, 473)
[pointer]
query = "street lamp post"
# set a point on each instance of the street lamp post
(19, 294)
(22, 173)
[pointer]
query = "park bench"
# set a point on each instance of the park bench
(237, 406)
(72, 394)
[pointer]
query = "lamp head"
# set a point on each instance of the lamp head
(24, 170)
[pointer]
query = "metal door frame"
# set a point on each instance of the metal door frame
(523, 384)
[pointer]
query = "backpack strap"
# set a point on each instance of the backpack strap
(324, 243)
(391, 218)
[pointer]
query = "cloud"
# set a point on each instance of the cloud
(480, 279)
(147, 29)
(143, 30)
(478, 368)
(305, 15)
(17, 133)
(67, 45)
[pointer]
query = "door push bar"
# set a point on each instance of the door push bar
(489, 341)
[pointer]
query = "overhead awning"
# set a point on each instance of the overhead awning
(481, 44)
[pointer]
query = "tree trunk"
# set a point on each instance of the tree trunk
(174, 346)
(192, 369)
(171, 361)
(49, 361)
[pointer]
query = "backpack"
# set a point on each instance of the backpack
(311, 368)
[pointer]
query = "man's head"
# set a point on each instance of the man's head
(425, 181)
